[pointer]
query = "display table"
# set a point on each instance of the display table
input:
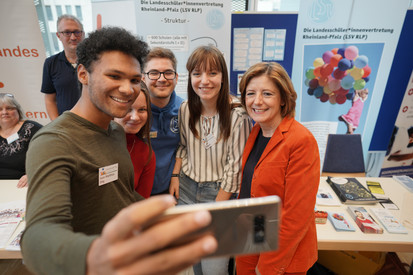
(330, 239)
(9, 192)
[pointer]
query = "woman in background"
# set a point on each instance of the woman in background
(213, 129)
(137, 126)
(15, 136)
(280, 158)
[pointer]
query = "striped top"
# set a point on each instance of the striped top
(219, 161)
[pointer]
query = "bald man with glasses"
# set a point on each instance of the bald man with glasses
(60, 84)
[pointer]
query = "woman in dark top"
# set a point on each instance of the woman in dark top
(15, 135)
(280, 158)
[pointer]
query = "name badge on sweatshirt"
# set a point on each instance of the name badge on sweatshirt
(12, 138)
(108, 174)
(153, 134)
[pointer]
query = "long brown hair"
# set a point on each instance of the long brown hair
(200, 59)
(143, 133)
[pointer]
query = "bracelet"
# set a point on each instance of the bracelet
(175, 175)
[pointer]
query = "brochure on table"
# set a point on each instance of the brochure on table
(11, 224)
(379, 212)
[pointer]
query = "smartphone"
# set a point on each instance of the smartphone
(244, 226)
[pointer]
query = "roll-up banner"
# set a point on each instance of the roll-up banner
(180, 26)
(22, 55)
(342, 58)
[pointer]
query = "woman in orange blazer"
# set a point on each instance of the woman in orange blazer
(280, 158)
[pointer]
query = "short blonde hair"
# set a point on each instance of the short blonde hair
(10, 100)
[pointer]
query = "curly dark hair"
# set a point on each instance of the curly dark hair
(110, 39)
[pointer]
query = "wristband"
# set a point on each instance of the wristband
(175, 175)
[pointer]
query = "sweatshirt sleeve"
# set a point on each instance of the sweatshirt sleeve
(49, 245)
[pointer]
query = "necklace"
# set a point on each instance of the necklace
(133, 145)
(5, 133)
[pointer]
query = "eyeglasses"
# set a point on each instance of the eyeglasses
(155, 75)
(6, 94)
(69, 34)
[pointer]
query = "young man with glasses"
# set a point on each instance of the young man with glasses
(161, 78)
(60, 84)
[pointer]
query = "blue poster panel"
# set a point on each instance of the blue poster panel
(342, 57)
(261, 37)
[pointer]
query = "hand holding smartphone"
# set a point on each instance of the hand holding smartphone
(245, 226)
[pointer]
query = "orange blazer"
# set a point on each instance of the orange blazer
(289, 167)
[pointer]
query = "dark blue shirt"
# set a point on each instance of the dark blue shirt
(60, 77)
(165, 141)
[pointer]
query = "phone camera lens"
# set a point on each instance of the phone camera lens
(259, 229)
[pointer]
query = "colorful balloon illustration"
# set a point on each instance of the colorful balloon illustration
(335, 75)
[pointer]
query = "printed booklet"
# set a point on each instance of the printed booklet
(364, 221)
(377, 191)
(406, 181)
(339, 222)
(324, 197)
(351, 191)
(389, 222)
